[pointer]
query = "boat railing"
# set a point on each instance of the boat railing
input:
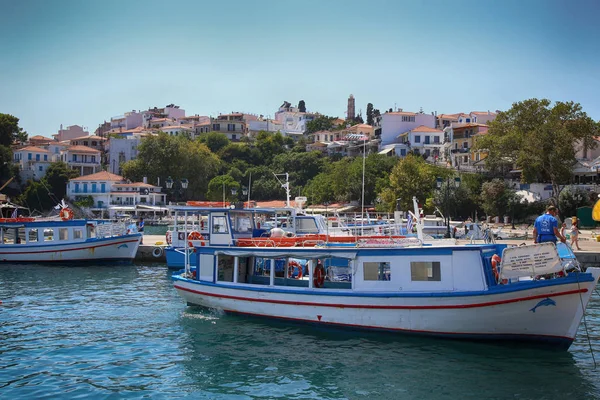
(389, 242)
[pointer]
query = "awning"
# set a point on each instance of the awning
(122, 208)
(283, 253)
(403, 134)
(386, 151)
(152, 208)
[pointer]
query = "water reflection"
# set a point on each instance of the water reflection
(248, 356)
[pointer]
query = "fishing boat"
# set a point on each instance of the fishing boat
(475, 292)
(66, 240)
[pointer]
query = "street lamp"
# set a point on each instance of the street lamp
(439, 182)
(183, 182)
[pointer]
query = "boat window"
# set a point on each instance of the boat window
(63, 233)
(376, 271)
(219, 225)
(338, 270)
(48, 235)
(33, 235)
(243, 269)
(77, 233)
(225, 269)
(425, 271)
(306, 225)
(262, 267)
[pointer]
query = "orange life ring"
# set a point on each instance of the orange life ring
(291, 266)
(169, 237)
(319, 276)
(194, 235)
(496, 260)
(66, 214)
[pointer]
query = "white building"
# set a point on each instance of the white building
(108, 189)
(82, 158)
(293, 121)
(420, 140)
(177, 130)
(121, 150)
(129, 120)
(72, 132)
(395, 123)
(170, 112)
(33, 162)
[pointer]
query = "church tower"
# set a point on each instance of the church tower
(351, 109)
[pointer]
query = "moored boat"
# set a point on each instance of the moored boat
(479, 291)
(71, 240)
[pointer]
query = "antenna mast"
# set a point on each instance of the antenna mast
(286, 186)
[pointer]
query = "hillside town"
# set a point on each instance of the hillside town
(441, 139)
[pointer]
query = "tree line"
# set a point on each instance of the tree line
(535, 136)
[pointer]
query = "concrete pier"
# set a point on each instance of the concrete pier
(152, 249)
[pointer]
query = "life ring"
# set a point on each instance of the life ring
(496, 260)
(291, 266)
(169, 237)
(194, 235)
(66, 214)
(319, 276)
(157, 252)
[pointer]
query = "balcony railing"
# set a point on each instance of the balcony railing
(463, 150)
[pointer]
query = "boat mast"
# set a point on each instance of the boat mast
(286, 186)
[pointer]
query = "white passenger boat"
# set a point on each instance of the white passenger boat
(42, 241)
(482, 292)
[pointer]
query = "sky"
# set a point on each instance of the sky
(81, 62)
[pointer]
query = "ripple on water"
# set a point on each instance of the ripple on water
(122, 331)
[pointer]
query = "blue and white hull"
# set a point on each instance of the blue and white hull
(535, 312)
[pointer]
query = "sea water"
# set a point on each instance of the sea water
(123, 332)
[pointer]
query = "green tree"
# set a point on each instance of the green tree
(570, 199)
(219, 188)
(57, 177)
(497, 198)
(301, 106)
(162, 156)
(539, 139)
(215, 141)
(370, 120)
(269, 145)
(301, 167)
(358, 119)
(411, 176)
(10, 130)
(321, 123)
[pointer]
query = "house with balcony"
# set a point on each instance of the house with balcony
(170, 112)
(421, 140)
(33, 162)
(398, 122)
(464, 137)
(129, 120)
(112, 191)
(82, 158)
(233, 125)
(293, 121)
(92, 141)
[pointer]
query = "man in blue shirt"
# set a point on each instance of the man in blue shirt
(545, 228)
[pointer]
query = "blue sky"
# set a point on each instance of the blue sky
(82, 61)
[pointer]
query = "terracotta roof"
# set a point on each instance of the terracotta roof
(449, 116)
(135, 184)
(82, 149)
(100, 176)
(40, 137)
(33, 148)
(483, 113)
(93, 137)
(423, 128)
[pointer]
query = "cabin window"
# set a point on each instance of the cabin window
(219, 225)
(425, 271)
(306, 225)
(262, 267)
(376, 271)
(48, 235)
(225, 269)
(77, 233)
(33, 235)
(63, 233)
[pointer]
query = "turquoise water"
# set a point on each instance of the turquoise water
(123, 332)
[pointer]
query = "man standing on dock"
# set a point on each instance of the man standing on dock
(545, 228)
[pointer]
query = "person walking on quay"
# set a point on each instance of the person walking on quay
(141, 229)
(545, 228)
(575, 233)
